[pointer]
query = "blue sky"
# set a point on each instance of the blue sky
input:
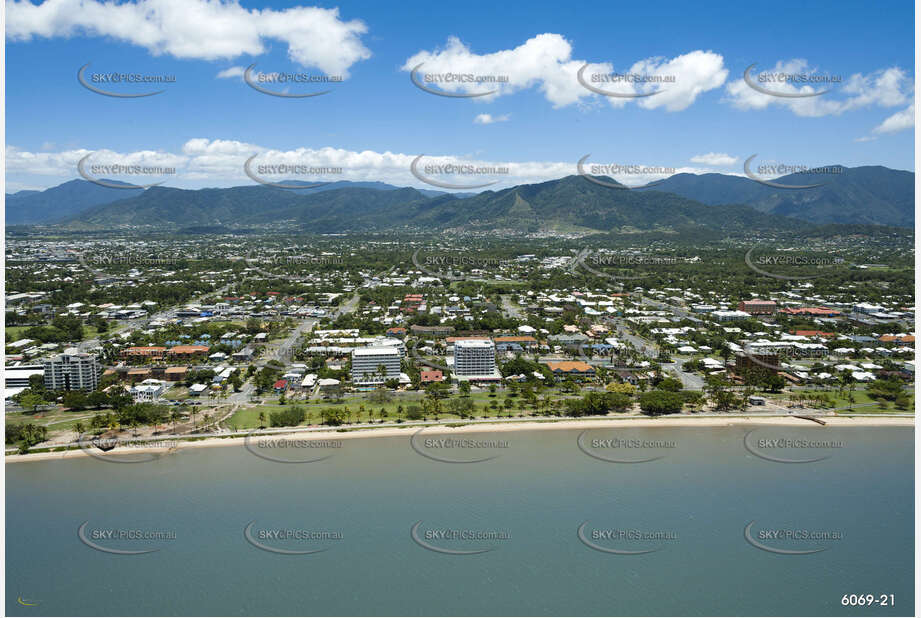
(376, 121)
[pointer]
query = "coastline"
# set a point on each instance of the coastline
(490, 427)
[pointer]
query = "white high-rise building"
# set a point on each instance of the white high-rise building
(474, 357)
(367, 363)
(72, 371)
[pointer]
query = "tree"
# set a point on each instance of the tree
(670, 384)
(75, 400)
(30, 401)
(261, 419)
(658, 402)
(97, 399)
(236, 381)
(464, 388)
(333, 416)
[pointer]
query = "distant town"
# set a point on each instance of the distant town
(222, 334)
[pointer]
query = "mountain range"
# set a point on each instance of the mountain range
(873, 195)
(864, 195)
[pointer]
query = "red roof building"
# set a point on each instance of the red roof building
(757, 306)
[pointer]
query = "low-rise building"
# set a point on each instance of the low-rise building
(575, 369)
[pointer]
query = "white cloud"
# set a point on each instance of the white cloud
(231, 72)
(490, 119)
(884, 88)
(714, 158)
(693, 73)
(545, 61)
(207, 162)
(898, 121)
(201, 29)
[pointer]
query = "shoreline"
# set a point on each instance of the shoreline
(485, 427)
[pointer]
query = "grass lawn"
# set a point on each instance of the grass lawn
(15, 333)
(176, 392)
(248, 417)
(841, 402)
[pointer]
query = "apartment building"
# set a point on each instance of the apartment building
(367, 363)
(474, 358)
(72, 371)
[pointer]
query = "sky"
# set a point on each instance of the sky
(538, 120)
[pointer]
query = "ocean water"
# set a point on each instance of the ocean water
(398, 529)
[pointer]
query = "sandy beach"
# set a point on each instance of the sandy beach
(487, 427)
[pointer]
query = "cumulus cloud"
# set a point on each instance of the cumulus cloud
(545, 61)
(693, 74)
(200, 29)
(714, 158)
(884, 88)
(231, 73)
(208, 162)
(898, 121)
(490, 119)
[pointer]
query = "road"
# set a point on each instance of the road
(510, 308)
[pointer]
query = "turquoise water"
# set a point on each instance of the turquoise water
(692, 504)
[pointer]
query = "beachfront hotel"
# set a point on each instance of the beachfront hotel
(72, 371)
(366, 363)
(474, 358)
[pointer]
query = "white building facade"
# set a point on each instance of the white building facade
(375, 365)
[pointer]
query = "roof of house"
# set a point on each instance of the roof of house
(188, 349)
(900, 338)
(569, 366)
(813, 333)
